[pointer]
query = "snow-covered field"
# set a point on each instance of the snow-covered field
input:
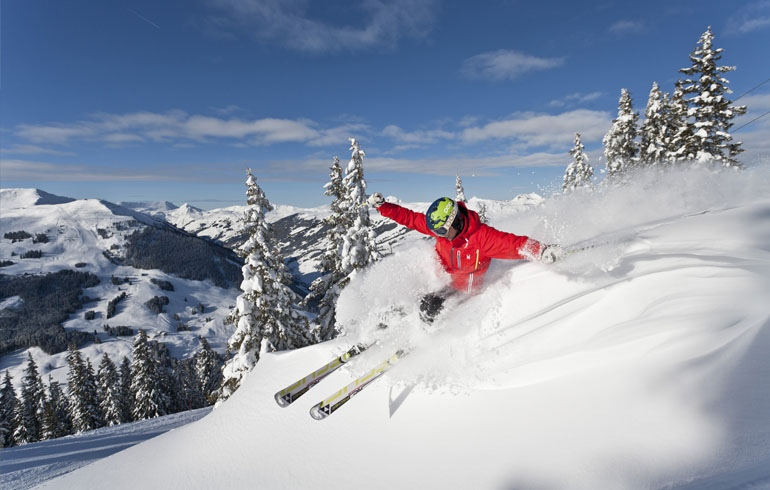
(638, 363)
(27, 466)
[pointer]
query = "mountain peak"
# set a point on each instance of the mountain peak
(15, 198)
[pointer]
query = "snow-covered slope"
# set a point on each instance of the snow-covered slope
(78, 234)
(639, 363)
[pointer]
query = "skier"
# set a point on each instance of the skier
(464, 245)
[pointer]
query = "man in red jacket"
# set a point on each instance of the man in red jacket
(464, 245)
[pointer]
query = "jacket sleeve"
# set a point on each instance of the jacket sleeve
(500, 245)
(406, 217)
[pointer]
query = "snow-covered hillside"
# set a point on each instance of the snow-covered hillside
(77, 235)
(638, 363)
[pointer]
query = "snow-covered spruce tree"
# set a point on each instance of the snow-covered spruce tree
(620, 148)
(56, 421)
(359, 247)
(654, 131)
(79, 406)
(483, 214)
(579, 172)
(208, 371)
(109, 391)
(8, 411)
(92, 395)
(32, 405)
(126, 400)
(149, 399)
(459, 191)
(681, 144)
(326, 287)
(265, 312)
(711, 111)
(188, 391)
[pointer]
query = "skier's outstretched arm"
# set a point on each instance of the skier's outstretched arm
(401, 215)
(502, 245)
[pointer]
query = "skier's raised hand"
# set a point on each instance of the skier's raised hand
(376, 200)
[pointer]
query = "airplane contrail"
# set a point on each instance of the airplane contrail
(144, 18)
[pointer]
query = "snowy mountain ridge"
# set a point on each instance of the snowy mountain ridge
(640, 362)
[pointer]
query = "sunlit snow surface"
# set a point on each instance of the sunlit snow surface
(639, 363)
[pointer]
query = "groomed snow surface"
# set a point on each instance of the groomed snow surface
(639, 363)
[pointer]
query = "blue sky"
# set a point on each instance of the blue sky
(172, 100)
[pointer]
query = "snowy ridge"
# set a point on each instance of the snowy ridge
(639, 363)
(23, 198)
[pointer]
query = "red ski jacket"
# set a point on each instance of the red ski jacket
(467, 257)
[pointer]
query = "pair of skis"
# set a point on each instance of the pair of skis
(333, 402)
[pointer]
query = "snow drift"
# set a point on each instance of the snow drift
(640, 362)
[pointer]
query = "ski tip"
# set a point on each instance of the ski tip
(280, 400)
(316, 413)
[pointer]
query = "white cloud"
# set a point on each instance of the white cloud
(26, 170)
(531, 130)
(429, 136)
(505, 65)
(749, 18)
(382, 23)
(575, 99)
(33, 150)
(622, 27)
(177, 127)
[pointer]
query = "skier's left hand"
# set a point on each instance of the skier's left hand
(551, 253)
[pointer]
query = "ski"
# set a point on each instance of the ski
(331, 404)
(288, 395)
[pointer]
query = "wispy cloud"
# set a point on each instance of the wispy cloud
(532, 130)
(749, 18)
(575, 99)
(178, 127)
(32, 150)
(505, 65)
(27, 170)
(291, 23)
(623, 27)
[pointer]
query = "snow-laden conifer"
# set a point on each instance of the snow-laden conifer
(620, 148)
(326, 288)
(8, 411)
(56, 421)
(188, 388)
(483, 214)
(92, 396)
(109, 391)
(208, 371)
(265, 311)
(31, 405)
(149, 399)
(711, 111)
(681, 144)
(359, 247)
(459, 191)
(126, 400)
(579, 173)
(654, 130)
(79, 407)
